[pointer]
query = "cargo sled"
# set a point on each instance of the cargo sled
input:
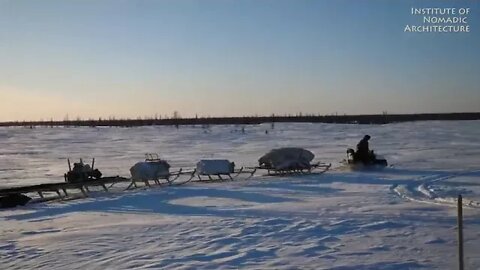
(81, 172)
(290, 160)
(84, 175)
(155, 169)
(219, 169)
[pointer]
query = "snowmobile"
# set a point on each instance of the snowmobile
(373, 161)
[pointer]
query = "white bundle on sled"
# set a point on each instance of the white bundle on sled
(215, 166)
(287, 158)
(150, 170)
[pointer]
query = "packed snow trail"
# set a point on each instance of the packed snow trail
(434, 189)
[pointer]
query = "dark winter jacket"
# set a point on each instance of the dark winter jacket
(362, 147)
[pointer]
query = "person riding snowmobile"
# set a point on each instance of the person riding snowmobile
(363, 153)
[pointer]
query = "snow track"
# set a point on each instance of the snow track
(433, 189)
(284, 223)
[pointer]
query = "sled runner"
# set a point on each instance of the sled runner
(316, 168)
(61, 190)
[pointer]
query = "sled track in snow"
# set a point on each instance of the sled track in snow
(423, 190)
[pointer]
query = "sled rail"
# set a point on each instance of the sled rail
(61, 188)
(272, 171)
(225, 176)
(169, 178)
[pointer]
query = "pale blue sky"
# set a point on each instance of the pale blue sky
(231, 57)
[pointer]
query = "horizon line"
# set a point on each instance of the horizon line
(177, 115)
(383, 118)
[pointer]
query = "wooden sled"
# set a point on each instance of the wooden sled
(165, 177)
(62, 189)
(315, 168)
(169, 179)
(212, 170)
(224, 176)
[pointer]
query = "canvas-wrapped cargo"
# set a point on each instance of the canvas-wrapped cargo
(150, 170)
(287, 158)
(215, 166)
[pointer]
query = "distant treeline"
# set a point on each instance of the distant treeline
(250, 120)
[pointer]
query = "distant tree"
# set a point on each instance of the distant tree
(385, 120)
(176, 115)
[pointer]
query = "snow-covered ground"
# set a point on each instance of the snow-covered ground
(402, 217)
